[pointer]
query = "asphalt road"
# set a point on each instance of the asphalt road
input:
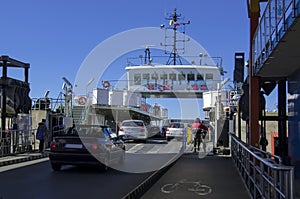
(210, 177)
(39, 181)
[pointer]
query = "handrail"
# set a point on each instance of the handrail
(48, 103)
(17, 141)
(263, 173)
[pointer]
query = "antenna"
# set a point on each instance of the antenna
(174, 24)
(147, 58)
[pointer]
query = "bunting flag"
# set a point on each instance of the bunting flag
(176, 24)
(171, 22)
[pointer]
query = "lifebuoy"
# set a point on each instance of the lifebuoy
(81, 100)
(105, 84)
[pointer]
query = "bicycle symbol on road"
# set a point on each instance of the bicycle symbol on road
(196, 187)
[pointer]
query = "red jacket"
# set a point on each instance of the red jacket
(197, 125)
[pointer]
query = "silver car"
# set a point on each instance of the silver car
(176, 130)
(133, 130)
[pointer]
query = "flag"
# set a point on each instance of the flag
(176, 24)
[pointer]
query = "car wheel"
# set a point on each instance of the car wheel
(56, 166)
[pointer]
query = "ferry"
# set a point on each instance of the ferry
(177, 78)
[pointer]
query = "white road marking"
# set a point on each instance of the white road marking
(135, 148)
(22, 164)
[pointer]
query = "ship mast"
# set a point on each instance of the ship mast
(173, 24)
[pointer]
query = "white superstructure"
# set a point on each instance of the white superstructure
(172, 78)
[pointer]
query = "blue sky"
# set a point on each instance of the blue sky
(56, 36)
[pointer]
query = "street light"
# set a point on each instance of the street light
(67, 82)
(68, 97)
(87, 85)
(224, 82)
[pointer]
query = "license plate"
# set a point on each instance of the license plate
(73, 146)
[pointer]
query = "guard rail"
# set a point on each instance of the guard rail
(263, 173)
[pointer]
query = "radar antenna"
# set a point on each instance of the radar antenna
(174, 24)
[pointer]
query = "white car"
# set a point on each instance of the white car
(176, 130)
(133, 130)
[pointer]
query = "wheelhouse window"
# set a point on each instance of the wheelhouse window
(191, 77)
(164, 76)
(146, 76)
(154, 76)
(209, 76)
(181, 76)
(172, 76)
(137, 79)
(199, 76)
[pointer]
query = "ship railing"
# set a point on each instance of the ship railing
(57, 104)
(276, 20)
(17, 141)
(202, 60)
(263, 173)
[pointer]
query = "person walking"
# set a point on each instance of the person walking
(199, 130)
(41, 134)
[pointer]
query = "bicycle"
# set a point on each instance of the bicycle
(196, 187)
(199, 137)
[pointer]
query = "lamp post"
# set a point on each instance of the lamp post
(68, 88)
(86, 87)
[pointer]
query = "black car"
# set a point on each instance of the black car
(86, 145)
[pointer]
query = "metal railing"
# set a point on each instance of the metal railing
(48, 104)
(277, 18)
(263, 173)
(17, 141)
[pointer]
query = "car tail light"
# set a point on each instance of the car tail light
(95, 147)
(121, 129)
(53, 145)
(143, 128)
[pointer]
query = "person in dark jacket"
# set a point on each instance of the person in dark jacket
(41, 134)
(199, 130)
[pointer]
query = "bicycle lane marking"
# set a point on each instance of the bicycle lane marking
(192, 186)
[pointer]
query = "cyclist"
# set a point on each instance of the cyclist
(199, 130)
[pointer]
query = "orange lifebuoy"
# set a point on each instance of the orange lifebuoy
(82, 100)
(105, 84)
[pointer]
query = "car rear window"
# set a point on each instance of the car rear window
(132, 123)
(176, 125)
(86, 131)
